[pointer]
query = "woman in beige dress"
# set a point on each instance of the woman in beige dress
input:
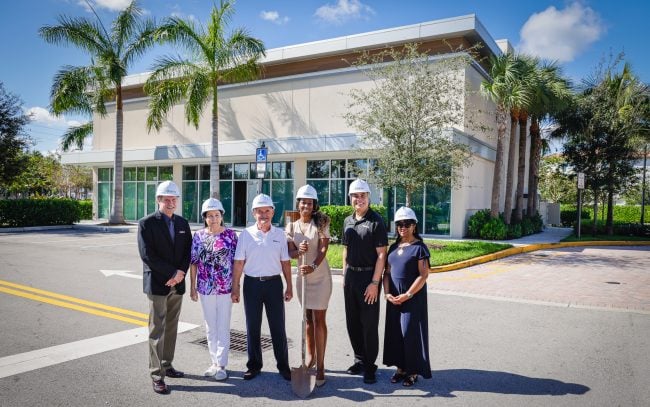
(308, 239)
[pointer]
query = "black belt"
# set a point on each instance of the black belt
(352, 268)
(264, 278)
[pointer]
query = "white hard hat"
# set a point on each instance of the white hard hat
(211, 204)
(262, 200)
(307, 191)
(405, 213)
(167, 188)
(358, 185)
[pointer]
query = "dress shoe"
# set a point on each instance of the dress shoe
(250, 374)
(171, 372)
(286, 374)
(160, 387)
(320, 382)
(369, 377)
(355, 369)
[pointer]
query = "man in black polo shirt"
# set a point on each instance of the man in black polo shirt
(364, 255)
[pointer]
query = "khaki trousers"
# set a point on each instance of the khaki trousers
(164, 311)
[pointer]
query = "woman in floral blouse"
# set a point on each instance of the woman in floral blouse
(213, 249)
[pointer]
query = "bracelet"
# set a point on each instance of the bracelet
(408, 295)
(374, 282)
(313, 266)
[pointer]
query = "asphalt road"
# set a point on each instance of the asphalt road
(567, 327)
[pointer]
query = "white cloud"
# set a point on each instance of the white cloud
(190, 17)
(274, 17)
(343, 10)
(43, 117)
(561, 34)
(113, 5)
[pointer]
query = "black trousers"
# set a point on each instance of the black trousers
(268, 294)
(362, 319)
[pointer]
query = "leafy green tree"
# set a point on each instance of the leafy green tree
(407, 116)
(505, 89)
(555, 184)
(13, 139)
(37, 178)
(217, 57)
(88, 88)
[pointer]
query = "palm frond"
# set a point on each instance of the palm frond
(75, 136)
(198, 92)
(81, 32)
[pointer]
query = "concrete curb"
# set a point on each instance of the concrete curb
(531, 248)
(34, 228)
(94, 228)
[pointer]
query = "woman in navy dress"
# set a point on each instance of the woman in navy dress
(406, 337)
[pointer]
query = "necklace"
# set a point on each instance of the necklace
(402, 245)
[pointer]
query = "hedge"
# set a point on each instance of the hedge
(482, 226)
(622, 213)
(338, 214)
(40, 212)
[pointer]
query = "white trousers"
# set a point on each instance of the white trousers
(216, 311)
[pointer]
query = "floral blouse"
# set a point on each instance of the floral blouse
(213, 256)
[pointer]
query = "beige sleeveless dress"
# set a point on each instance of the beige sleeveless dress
(318, 285)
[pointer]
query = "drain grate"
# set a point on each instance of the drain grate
(238, 342)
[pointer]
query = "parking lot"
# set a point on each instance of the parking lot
(566, 327)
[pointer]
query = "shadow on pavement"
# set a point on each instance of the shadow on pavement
(445, 382)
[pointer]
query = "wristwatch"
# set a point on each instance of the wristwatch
(408, 295)
(313, 266)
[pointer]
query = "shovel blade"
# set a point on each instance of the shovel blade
(303, 381)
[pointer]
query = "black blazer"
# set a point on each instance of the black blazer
(160, 257)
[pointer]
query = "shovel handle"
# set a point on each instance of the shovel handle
(302, 261)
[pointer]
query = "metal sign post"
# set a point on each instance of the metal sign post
(581, 186)
(261, 156)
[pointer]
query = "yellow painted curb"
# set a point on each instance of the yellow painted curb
(530, 248)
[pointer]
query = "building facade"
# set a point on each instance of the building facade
(296, 109)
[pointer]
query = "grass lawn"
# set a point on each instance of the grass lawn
(442, 251)
(587, 237)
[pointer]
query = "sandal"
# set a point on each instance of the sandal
(398, 377)
(410, 380)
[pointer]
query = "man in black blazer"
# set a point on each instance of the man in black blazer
(164, 242)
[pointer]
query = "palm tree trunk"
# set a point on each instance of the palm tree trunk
(594, 224)
(117, 213)
(498, 162)
(609, 223)
(507, 208)
(214, 155)
(521, 168)
(535, 150)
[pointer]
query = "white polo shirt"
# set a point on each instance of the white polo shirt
(261, 251)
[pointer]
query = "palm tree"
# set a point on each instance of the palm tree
(550, 93)
(505, 90)
(218, 58)
(87, 88)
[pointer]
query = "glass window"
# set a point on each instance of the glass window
(129, 200)
(283, 199)
(151, 174)
(318, 169)
(140, 174)
(437, 210)
(205, 172)
(225, 171)
(267, 173)
(282, 170)
(165, 173)
(130, 173)
(357, 168)
(322, 188)
(140, 200)
(151, 198)
(338, 169)
(189, 172)
(190, 201)
(337, 192)
(104, 174)
(225, 190)
(104, 199)
(241, 171)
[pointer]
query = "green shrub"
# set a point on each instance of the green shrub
(620, 228)
(338, 214)
(514, 231)
(494, 229)
(39, 212)
(476, 222)
(85, 209)
(569, 216)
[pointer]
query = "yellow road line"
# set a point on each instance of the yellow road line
(56, 300)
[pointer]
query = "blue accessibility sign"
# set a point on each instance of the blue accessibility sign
(261, 154)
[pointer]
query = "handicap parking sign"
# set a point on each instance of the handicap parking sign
(261, 154)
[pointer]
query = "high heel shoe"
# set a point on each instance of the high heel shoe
(320, 382)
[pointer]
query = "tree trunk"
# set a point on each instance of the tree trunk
(117, 213)
(498, 163)
(535, 149)
(521, 169)
(214, 155)
(609, 224)
(594, 224)
(507, 208)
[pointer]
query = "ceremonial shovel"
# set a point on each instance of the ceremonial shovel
(303, 379)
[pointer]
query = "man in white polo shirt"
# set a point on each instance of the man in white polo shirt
(262, 255)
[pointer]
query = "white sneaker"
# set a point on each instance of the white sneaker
(212, 370)
(221, 374)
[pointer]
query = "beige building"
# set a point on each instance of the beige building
(296, 110)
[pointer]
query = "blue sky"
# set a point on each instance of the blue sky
(578, 34)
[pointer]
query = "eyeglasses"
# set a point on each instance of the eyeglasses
(404, 224)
